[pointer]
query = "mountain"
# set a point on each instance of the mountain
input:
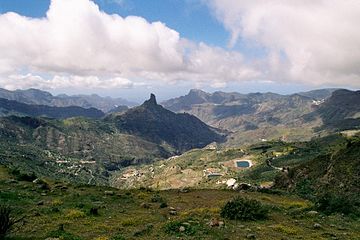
(250, 117)
(319, 94)
(118, 109)
(89, 150)
(339, 112)
(153, 122)
(255, 116)
(38, 97)
(196, 96)
(234, 111)
(10, 107)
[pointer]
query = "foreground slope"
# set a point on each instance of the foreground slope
(63, 211)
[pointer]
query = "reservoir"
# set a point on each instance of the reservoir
(242, 164)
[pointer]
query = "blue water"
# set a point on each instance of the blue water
(243, 164)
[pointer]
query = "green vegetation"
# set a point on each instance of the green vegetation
(244, 209)
(63, 212)
(5, 220)
(59, 173)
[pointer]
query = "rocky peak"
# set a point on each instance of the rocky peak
(151, 101)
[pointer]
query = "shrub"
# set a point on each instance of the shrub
(163, 205)
(7, 221)
(342, 203)
(118, 237)
(244, 209)
(173, 228)
(74, 213)
(157, 198)
(21, 176)
(291, 230)
(62, 234)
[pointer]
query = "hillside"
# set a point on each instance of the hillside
(91, 150)
(10, 107)
(334, 158)
(251, 117)
(339, 112)
(264, 116)
(157, 124)
(58, 210)
(319, 94)
(39, 97)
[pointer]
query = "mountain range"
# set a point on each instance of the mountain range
(39, 97)
(10, 107)
(34, 135)
(256, 116)
(139, 135)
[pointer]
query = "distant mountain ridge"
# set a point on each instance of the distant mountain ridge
(319, 94)
(39, 97)
(196, 96)
(10, 107)
(255, 116)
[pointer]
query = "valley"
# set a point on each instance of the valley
(150, 172)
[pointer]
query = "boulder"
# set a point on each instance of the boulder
(312, 213)
(230, 182)
(317, 226)
(110, 193)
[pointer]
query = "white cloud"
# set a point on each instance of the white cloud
(313, 42)
(78, 46)
(18, 81)
(77, 39)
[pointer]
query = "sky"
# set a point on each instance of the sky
(129, 48)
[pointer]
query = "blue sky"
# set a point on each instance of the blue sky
(228, 45)
(189, 17)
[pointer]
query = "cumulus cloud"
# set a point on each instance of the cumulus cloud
(77, 39)
(313, 42)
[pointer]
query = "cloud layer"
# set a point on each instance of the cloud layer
(77, 42)
(76, 45)
(314, 42)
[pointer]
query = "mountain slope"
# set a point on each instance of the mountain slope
(90, 150)
(319, 94)
(339, 112)
(9, 107)
(153, 122)
(38, 97)
(250, 117)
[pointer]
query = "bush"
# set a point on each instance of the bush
(21, 176)
(74, 213)
(6, 222)
(163, 205)
(62, 234)
(117, 237)
(173, 228)
(157, 198)
(244, 209)
(331, 203)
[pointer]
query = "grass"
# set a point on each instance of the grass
(65, 212)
